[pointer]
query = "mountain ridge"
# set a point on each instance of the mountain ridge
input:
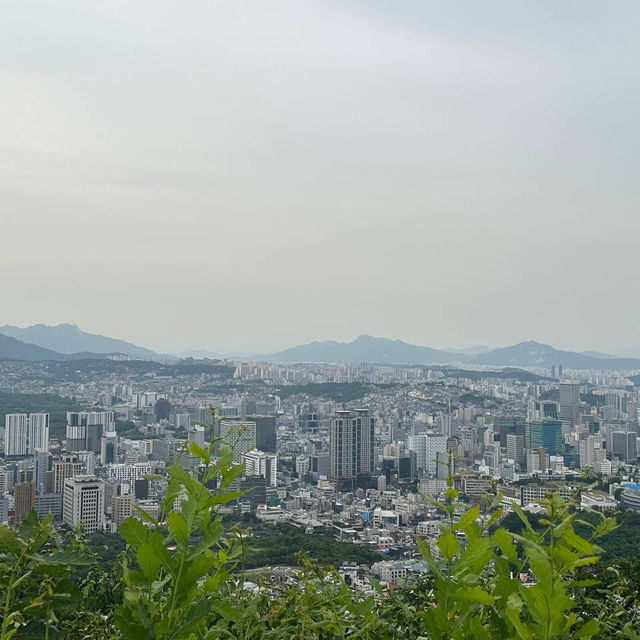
(385, 351)
(67, 339)
(13, 349)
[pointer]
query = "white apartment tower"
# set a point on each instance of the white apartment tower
(26, 433)
(259, 463)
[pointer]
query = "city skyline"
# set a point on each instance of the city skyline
(463, 174)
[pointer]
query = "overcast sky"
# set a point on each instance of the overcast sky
(253, 175)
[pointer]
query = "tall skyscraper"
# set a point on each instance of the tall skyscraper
(67, 467)
(43, 465)
(26, 433)
(38, 432)
(265, 432)
(109, 447)
(515, 448)
(547, 434)
(16, 427)
(83, 503)
(259, 463)
(351, 443)
(85, 429)
(625, 445)
(431, 453)
(240, 435)
(569, 401)
(24, 495)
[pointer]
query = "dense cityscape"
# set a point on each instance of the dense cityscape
(319, 320)
(349, 451)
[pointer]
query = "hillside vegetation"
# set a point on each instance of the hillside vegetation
(183, 578)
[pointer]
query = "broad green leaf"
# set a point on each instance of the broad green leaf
(199, 452)
(225, 610)
(448, 545)
(178, 528)
(504, 542)
(148, 561)
(133, 531)
(9, 542)
(477, 594)
(588, 629)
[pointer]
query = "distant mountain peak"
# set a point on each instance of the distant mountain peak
(67, 338)
(367, 348)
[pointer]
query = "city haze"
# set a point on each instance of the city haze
(251, 176)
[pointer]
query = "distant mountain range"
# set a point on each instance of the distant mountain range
(364, 349)
(385, 351)
(17, 350)
(69, 339)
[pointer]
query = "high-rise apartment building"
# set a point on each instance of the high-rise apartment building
(431, 453)
(67, 467)
(25, 433)
(259, 463)
(83, 503)
(351, 444)
(569, 401)
(38, 432)
(85, 429)
(515, 448)
(15, 434)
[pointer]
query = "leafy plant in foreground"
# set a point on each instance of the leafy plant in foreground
(177, 589)
(34, 579)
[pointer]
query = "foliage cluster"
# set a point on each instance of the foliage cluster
(336, 391)
(621, 542)
(283, 543)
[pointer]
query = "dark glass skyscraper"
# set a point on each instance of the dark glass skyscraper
(547, 434)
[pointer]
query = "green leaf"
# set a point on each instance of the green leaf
(133, 531)
(225, 610)
(178, 528)
(520, 513)
(199, 452)
(477, 594)
(448, 545)
(588, 629)
(9, 542)
(70, 557)
(504, 542)
(468, 518)
(148, 561)
(577, 542)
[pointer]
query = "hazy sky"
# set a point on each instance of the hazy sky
(253, 175)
